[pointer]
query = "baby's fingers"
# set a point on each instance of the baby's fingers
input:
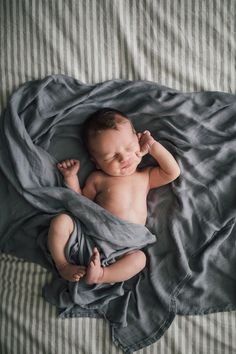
(63, 164)
(68, 163)
(140, 154)
(59, 166)
(147, 132)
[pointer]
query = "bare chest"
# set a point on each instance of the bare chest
(127, 186)
(124, 196)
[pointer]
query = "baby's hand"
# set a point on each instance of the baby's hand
(145, 142)
(69, 168)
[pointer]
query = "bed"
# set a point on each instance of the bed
(186, 45)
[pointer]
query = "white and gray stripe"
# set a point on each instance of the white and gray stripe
(188, 45)
(30, 325)
(185, 44)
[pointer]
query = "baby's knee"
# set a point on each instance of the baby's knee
(143, 258)
(62, 222)
(140, 259)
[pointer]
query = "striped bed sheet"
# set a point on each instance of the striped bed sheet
(185, 44)
(30, 325)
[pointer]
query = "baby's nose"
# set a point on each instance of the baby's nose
(124, 159)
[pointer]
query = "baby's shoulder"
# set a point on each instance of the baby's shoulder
(94, 177)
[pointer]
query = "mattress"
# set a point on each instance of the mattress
(186, 45)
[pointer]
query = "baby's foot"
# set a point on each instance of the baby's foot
(71, 272)
(94, 272)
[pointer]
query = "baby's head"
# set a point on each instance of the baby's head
(112, 142)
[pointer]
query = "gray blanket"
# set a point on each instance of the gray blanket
(191, 266)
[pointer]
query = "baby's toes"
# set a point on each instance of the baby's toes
(82, 269)
(76, 277)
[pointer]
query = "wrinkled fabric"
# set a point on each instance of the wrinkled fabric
(191, 266)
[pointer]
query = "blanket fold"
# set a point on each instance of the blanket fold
(190, 234)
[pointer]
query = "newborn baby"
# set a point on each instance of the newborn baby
(117, 185)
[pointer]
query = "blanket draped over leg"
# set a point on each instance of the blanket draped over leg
(190, 236)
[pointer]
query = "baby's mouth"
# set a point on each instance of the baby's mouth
(126, 165)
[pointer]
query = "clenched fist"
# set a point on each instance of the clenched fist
(69, 168)
(145, 142)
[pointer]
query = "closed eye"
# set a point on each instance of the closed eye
(110, 158)
(130, 147)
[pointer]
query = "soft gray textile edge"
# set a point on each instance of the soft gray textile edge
(203, 115)
(189, 45)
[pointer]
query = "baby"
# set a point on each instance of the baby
(117, 185)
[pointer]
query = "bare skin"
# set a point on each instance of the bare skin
(61, 228)
(118, 186)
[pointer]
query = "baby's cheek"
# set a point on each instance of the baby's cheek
(113, 165)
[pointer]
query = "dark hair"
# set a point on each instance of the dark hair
(103, 119)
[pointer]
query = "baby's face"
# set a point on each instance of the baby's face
(115, 151)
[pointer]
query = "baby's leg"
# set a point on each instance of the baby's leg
(123, 269)
(60, 230)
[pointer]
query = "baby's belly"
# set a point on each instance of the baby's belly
(137, 215)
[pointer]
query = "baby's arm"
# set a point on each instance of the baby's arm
(168, 169)
(69, 170)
